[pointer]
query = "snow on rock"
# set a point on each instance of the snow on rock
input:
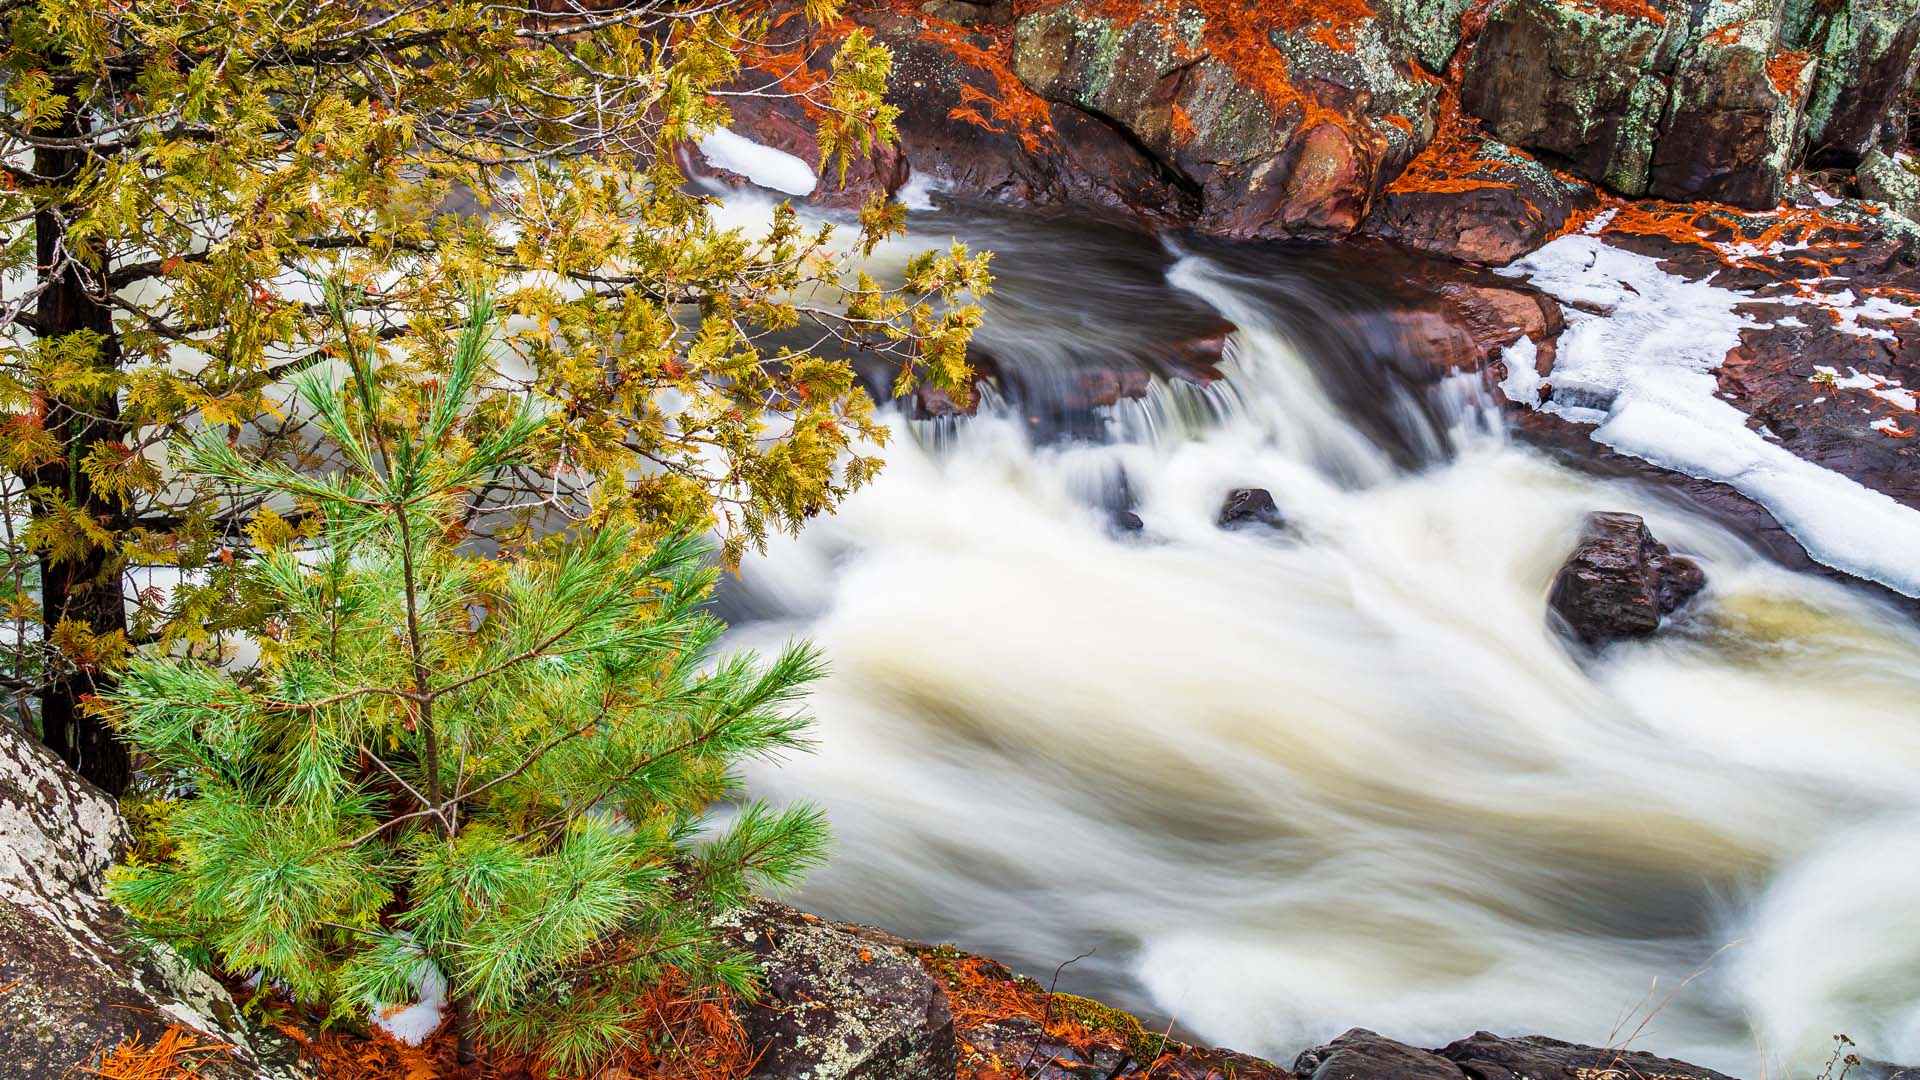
(1887, 390)
(1637, 361)
(1522, 384)
(413, 1024)
(761, 164)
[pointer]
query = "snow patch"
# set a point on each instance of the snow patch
(414, 1024)
(1847, 311)
(1643, 375)
(1522, 384)
(758, 162)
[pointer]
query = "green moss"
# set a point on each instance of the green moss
(1144, 1045)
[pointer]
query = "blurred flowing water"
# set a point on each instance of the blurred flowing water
(1285, 783)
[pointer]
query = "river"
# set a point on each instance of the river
(1281, 782)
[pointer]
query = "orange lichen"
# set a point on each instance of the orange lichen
(1784, 69)
(175, 1055)
(1452, 162)
(1727, 34)
(1743, 238)
(1181, 125)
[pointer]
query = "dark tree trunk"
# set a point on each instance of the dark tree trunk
(86, 590)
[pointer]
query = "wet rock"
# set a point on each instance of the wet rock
(1889, 180)
(76, 983)
(1620, 582)
(1485, 1056)
(1250, 506)
(1363, 1055)
(841, 1004)
(1582, 82)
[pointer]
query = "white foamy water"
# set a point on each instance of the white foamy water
(1286, 784)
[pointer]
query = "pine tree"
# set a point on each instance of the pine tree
(500, 767)
(177, 175)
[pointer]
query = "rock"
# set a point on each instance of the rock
(1619, 582)
(1284, 121)
(973, 128)
(77, 983)
(1581, 82)
(1867, 51)
(969, 13)
(1477, 201)
(1891, 181)
(1485, 1056)
(841, 1004)
(1731, 127)
(1250, 506)
(1363, 1055)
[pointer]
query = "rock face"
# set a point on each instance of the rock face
(1286, 120)
(1620, 582)
(1318, 120)
(1732, 123)
(1580, 82)
(1867, 50)
(1693, 101)
(839, 1006)
(77, 984)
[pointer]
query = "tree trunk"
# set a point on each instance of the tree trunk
(86, 590)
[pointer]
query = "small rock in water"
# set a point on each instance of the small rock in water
(1127, 521)
(1619, 582)
(1250, 506)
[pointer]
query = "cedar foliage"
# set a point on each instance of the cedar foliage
(495, 770)
(177, 176)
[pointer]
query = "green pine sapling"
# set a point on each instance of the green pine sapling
(499, 766)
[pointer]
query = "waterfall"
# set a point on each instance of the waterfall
(1286, 781)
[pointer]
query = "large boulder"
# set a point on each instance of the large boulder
(1868, 51)
(1731, 128)
(1620, 582)
(1285, 120)
(77, 983)
(840, 1003)
(1582, 82)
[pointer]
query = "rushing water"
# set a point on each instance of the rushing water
(1283, 784)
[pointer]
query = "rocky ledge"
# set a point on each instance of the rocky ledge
(1731, 143)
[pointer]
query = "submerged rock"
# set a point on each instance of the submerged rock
(75, 982)
(1250, 506)
(1620, 582)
